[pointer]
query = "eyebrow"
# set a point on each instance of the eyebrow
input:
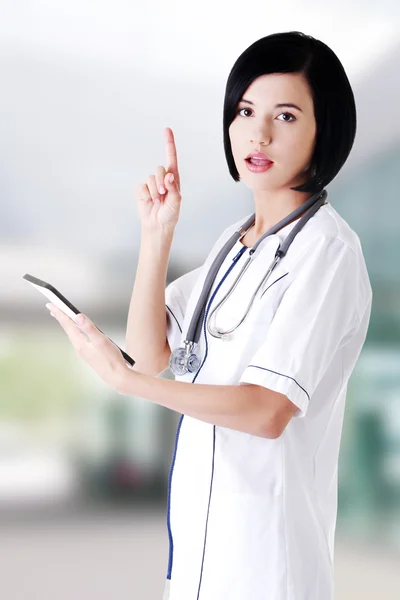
(288, 104)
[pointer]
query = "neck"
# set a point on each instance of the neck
(270, 208)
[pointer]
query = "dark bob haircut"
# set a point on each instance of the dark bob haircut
(334, 105)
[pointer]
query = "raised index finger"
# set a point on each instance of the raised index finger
(172, 158)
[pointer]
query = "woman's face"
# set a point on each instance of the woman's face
(284, 133)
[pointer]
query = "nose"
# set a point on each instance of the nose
(261, 136)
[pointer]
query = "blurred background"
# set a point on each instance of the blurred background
(87, 88)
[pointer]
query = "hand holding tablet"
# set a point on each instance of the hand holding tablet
(65, 305)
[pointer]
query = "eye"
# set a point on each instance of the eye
(290, 114)
(293, 118)
(240, 110)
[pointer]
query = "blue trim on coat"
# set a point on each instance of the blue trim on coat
(177, 322)
(171, 541)
(282, 374)
(279, 278)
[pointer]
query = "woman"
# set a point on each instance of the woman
(252, 498)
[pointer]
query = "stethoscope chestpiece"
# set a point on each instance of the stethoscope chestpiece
(183, 360)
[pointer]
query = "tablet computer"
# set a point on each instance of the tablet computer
(65, 305)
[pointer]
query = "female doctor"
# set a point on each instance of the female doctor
(252, 495)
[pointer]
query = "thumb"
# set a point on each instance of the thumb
(171, 186)
(86, 325)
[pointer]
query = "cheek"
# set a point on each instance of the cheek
(301, 145)
(236, 141)
(233, 134)
(308, 137)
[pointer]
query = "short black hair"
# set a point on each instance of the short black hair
(334, 104)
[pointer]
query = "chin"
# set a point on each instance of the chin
(255, 182)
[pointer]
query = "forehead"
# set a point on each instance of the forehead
(279, 87)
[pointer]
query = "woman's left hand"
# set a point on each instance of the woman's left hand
(99, 352)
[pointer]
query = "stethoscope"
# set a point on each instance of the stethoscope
(184, 359)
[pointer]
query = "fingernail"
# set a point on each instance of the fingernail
(161, 189)
(171, 178)
(80, 319)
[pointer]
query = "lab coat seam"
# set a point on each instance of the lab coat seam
(208, 514)
(194, 379)
(317, 504)
(177, 322)
(283, 437)
(330, 415)
(352, 329)
(367, 306)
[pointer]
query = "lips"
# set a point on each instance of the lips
(258, 166)
(258, 158)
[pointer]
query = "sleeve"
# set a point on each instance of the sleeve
(317, 312)
(177, 294)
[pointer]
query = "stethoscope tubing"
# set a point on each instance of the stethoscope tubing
(281, 251)
(219, 333)
(185, 355)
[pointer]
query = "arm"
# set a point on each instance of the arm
(146, 330)
(248, 408)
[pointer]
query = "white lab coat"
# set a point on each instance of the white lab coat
(252, 518)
